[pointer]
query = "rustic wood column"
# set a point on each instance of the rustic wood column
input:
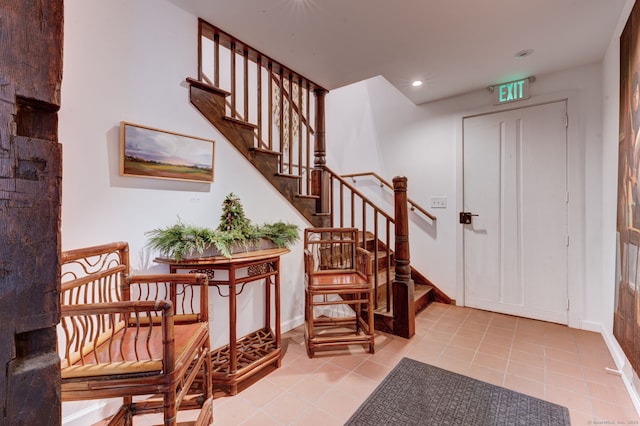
(30, 178)
(404, 312)
(320, 179)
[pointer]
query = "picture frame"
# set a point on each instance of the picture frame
(154, 153)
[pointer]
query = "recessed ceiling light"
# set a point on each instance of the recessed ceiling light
(416, 83)
(523, 53)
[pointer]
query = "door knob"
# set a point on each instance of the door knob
(465, 217)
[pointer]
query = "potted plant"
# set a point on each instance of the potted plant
(235, 233)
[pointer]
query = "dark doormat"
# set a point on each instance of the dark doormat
(415, 393)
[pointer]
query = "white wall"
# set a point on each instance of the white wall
(127, 61)
(424, 143)
(123, 62)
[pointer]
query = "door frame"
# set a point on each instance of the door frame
(576, 264)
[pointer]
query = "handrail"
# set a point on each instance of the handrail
(341, 178)
(413, 204)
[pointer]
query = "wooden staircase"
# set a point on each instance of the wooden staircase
(287, 146)
(211, 102)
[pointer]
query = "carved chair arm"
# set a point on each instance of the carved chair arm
(364, 261)
(187, 292)
(309, 263)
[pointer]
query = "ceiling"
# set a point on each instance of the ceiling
(454, 46)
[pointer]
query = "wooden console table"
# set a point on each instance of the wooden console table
(245, 356)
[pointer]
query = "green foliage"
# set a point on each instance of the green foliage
(181, 240)
(177, 240)
(282, 234)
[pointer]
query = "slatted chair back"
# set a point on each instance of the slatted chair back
(88, 277)
(331, 250)
(124, 335)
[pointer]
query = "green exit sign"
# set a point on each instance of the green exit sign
(511, 92)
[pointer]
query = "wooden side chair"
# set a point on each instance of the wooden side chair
(339, 309)
(126, 336)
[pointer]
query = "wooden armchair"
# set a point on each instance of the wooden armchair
(124, 336)
(339, 306)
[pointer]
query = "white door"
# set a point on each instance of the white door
(515, 181)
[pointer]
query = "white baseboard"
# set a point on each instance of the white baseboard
(623, 366)
(291, 324)
(88, 412)
(591, 326)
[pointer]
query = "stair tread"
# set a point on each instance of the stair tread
(240, 122)
(381, 254)
(266, 151)
(307, 196)
(419, 292)
(206, 86)
(285, 175)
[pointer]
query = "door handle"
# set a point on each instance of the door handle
(465, 217)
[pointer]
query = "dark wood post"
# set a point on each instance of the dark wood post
(404, 312)
(320, 147)
(319, 176)
(30, 178)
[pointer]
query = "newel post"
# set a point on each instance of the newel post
(404, 313)
(319, 176)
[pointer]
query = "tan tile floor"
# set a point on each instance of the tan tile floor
(545, 360)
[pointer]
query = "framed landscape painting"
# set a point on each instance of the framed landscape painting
(149, 152)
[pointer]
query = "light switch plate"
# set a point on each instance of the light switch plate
(438, 202)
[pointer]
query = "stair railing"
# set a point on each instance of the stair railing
(285, 107)
(277, 104)
(351, 208)
(383, 183)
